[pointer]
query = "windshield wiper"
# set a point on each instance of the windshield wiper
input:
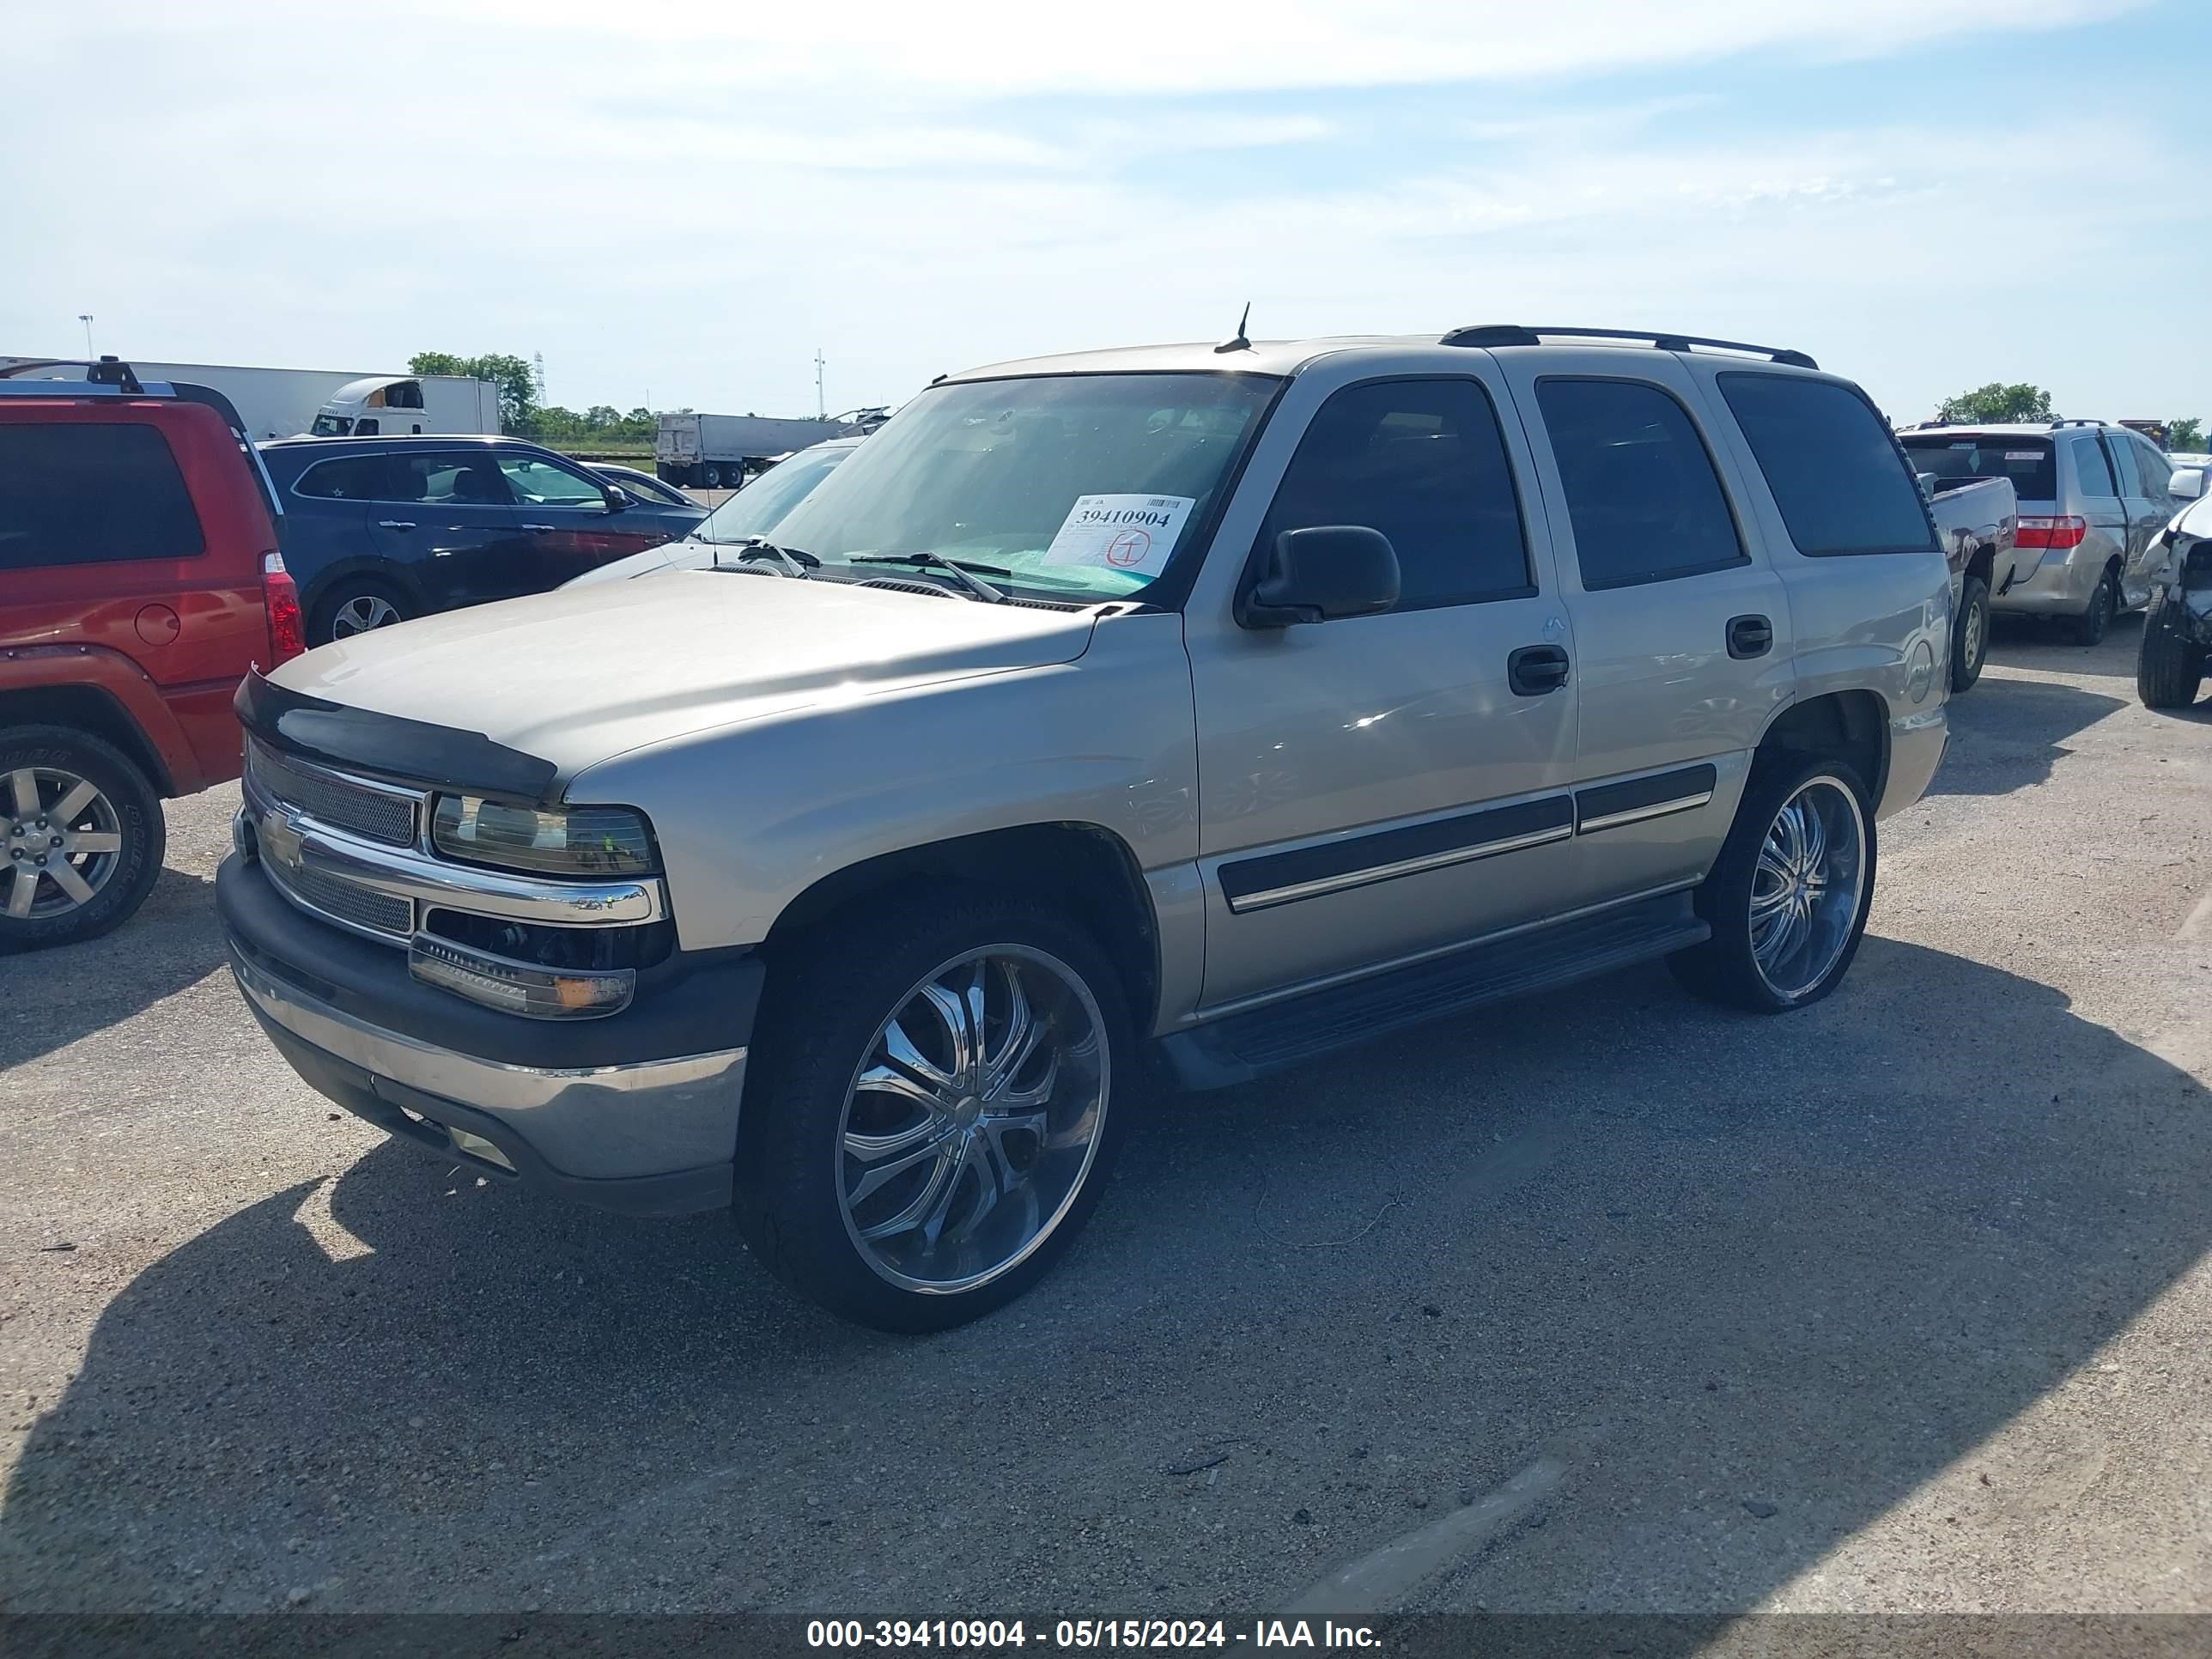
(789, 560)
(975, 585)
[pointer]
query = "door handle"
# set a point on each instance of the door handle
(395, 524)
(547, 528)
(1749, 636)
(1536, 669)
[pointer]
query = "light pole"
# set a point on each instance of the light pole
(85, 317)
(821, 408)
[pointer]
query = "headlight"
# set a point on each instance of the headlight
(575, 841)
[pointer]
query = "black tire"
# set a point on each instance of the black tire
(826, 1004)
(131, 802)
(1970, 633)
(2169, 664)
(2089, 627)
(1725, 969)
(352, 592)
(713, 477)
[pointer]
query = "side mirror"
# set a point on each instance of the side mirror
(2187, 483)
(1321, 574)
(617, 498)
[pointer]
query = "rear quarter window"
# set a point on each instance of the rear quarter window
(80, 492)
(1831, 464)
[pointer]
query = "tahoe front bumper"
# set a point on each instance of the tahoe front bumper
(637, 1112)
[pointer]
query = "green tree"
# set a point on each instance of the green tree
(1996, 403)
(2187, 434)
(517, 384)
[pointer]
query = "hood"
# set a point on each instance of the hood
(579, 675)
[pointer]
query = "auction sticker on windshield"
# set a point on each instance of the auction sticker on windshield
(1133, 533)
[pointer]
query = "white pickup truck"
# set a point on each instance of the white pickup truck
(1977, 524)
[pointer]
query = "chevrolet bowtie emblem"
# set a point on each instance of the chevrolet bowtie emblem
(280, 841)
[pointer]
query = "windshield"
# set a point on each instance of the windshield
(2026, 461)
(329, 425)
(1079, 487)
(760, 505)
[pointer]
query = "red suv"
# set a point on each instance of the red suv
(139, 580)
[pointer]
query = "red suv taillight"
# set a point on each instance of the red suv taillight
(2062, 532)
(280, 600)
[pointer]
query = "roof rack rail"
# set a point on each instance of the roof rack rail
(108, 371)
(2055, 425)
(1490, 335)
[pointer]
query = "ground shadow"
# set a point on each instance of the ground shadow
(173, 941)
(2007, 734)
(1811, 1262)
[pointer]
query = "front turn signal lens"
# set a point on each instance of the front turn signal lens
(521, 987)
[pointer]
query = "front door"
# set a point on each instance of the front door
(1682, 636)
(444, 515)
(2145, 475)
(1379, 786)
(564, 512)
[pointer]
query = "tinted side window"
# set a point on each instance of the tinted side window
(2090, 472)
(1831, 464)
(2121, 453)
(78, 493)
(541, 484)
(447, 480)
(350, 478)
(2157, 470)
(1642, 495)
(1425, 463)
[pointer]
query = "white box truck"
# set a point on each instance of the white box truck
(289, 403)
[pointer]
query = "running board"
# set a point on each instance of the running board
(1241, 1047)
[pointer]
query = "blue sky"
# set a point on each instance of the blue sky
(680, 202)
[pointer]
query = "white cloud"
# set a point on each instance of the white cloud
(687, 199)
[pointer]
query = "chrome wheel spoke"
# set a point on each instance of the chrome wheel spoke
(927, 1206)
(899, 1049)
(952, 1011)
(22, 892)
(23, 790)
(1016, 1102)
(893, 1155)
(95, 840)
(1019, 1041)
(894, 1080)
(1806, 887)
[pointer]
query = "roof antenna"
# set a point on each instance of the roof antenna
(1237, 342)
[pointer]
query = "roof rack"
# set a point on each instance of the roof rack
(109, 374)
(2055, 425)
(1489, 335)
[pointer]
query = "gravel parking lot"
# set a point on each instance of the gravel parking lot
(1608, 1300)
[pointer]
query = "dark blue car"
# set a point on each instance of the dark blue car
(378, 529)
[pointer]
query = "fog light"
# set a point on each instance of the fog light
(520, 987)
(477, 1147)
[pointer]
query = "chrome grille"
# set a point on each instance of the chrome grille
(333, 799)
(347, 901)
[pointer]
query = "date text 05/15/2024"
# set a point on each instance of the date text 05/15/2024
(986, 1635)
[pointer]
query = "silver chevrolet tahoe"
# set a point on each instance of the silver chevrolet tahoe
(1175, 715)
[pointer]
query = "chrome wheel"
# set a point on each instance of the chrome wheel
(1805, 886)
(63, 839)
(363, 612)
(972, 1122)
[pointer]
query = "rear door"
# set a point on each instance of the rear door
(1682, 631)
(102, 543)
(2098, 500)
(563, 511)
(445, 516)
